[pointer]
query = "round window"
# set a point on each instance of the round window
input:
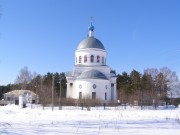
(94, 86)
(80, 86)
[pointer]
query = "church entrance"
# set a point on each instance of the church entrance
(80, 95)
(93, 95)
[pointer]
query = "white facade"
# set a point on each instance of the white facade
(91, 77)
(28, 96)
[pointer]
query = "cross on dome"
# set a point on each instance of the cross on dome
(91, 28)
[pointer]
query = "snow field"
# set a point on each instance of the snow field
(16, 121)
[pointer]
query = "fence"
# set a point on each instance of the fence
(103, 106)
(6, 102)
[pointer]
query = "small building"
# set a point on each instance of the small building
(13, 96)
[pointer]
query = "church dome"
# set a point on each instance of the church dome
(92, 74)
(90, 42)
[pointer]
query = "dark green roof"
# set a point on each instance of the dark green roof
(92, 74)
(90, 42)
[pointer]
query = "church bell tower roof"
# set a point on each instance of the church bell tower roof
(90, 41)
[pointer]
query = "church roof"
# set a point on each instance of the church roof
(92, 74)
(90, 42)
(20, 92)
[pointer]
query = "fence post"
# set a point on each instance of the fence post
(82, 105)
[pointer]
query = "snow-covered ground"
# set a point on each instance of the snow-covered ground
(115, 121)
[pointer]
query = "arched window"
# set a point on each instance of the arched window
(92, 58)
(98, 59)
(103, 60)
(85, 58)
(80, 59)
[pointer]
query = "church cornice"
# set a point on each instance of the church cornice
(90, 49)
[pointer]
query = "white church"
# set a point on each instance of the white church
(91, 76)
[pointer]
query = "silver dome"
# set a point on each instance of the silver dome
(92, 74)
(90, 42)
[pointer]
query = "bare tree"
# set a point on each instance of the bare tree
(152, 71)
(44, 95)
(24, 77)
(172, 82)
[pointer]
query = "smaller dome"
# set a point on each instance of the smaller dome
(92, 74)
(91, 27)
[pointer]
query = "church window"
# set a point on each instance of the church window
(92, 58)
(80, 86)
(8, 98)
(98, 59)
(80, 59)
(103, 60)
(94, 86)
(85, 58)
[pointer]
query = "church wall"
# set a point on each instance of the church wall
(115, 93)
(87, 88)
(70, 90)
(88, 53)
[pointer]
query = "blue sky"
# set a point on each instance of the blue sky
(43, 34)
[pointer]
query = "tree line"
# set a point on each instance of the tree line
(153, 87)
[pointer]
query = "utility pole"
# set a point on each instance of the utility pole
(52, 92)
(60, 98)
(36, 94)
(171, 99)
